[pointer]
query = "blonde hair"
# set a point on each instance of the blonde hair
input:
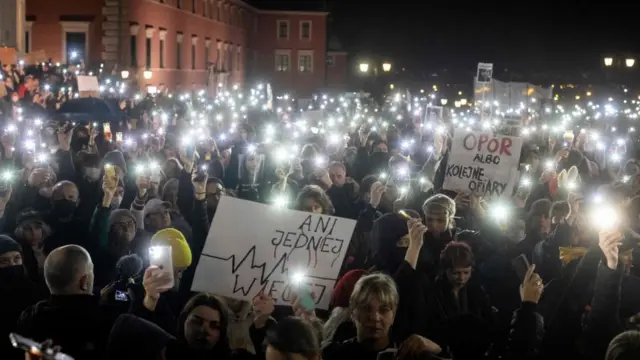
(377, 286)
(441, 203)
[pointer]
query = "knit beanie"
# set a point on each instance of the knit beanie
(180, 250)
(116, 158)
(344, 288)
(7, 245)
(119, 214)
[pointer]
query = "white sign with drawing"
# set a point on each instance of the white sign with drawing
(254, 248)
(483, 163)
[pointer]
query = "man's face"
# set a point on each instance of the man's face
(11, 258)
(436, 222)
(214, 192)
(159, 220)
(338, 175)
(202, 328)
(125, 229)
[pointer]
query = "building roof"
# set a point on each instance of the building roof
(289, 5)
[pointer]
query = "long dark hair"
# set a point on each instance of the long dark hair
(203, 299)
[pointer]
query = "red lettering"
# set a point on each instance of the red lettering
(493, 143)
(483, 139)
(464, 142)
(505, 147)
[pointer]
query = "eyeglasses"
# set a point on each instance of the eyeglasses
(125, 224)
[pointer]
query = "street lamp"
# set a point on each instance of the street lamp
(124, 74)
(443, 102)
(147, 74)
(608, 61)
(386, 67)
(630, 62)
(364, 67)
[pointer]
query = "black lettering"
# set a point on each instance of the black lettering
(333, 226)
(321, 223)
(273, 288)
(242, 289)
(277, 241)
(307, 223)
(288, 239)
(325, 245)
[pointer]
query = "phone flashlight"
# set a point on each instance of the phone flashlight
(140, 169)
(297, 278)
(280, 201)
(7, 176)
(404, 190)
(605, 217)
(404, 214)
(549, 164)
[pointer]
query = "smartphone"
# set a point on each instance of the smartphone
(304, 297)
(106, 129)
(110, 171)
(521, 265)
(121, 296)
(404, 214)
(119, 137)
(35, 348)
(161, 256)
(388, 354)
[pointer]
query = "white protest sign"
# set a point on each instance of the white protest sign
(483, 163)
(253, 248)
(88, 83)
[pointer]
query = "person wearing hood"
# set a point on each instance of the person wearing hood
(21, 292)
(537, 228)
(67, 227)
(133, 338)
(31, 231)
(117, 235)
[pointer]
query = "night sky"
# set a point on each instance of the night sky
(528, 35)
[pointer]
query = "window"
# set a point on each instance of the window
(305, 30)
(194, 42)
(179, 51)
(283, 59)
(205, 7)
(218, 13)
(218, 60)
(283, 29)
(238, 60)
(147, 49)
(179, 4)
(27, 36)
(230, 57)
(161, 49)
(193, 6)
(207, 53)
(331, 60)
(305, 61)
(133, 44)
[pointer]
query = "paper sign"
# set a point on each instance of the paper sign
(483, 163)
(88, 83)
(241, 259)
(8, 56)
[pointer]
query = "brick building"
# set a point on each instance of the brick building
(188, 43)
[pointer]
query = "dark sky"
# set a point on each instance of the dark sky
(456, 34)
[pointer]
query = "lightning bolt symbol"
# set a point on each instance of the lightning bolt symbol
(264, 276)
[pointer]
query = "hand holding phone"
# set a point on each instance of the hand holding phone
(161, 256)
(35, 349)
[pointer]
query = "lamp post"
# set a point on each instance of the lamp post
(630, 62)
(124, 74)
(386, 67)
(147, 74)
(444, 102)
(364, 67)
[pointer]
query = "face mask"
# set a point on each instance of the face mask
(64, 208)
(115, 202)
(12, 273)
(92, 174)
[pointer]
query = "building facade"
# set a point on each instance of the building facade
(186, 43)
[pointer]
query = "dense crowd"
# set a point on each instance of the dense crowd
(429, 274)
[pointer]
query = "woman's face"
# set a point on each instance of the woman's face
(202, 328)
(458, 277)
(373, 320)
(436, 222)
(32, 233)
(252, 163)
(312, 206)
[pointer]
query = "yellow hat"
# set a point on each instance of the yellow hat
(180, 250)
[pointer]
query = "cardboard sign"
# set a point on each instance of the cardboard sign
(241, 259)
(8, 56)
(483, 163)
(88, 86)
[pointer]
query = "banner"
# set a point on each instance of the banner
(510, 96)
(483, 163)
(241, 260)
(484, 73)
